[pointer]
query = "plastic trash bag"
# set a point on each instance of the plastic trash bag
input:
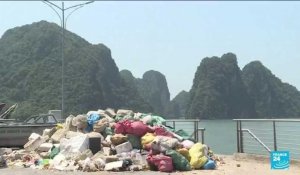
(184, 134)
(198, 159)
(160, 162)
(135, 141)
(136, 128)
(159, 131)
(118, 139)
(187, 144)
(210, 165)
(179, 161)
(185, 153)
(91, 120)
(147, 138)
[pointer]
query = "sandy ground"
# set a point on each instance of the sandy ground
(234, 165)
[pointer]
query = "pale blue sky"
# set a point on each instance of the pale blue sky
(173, 37)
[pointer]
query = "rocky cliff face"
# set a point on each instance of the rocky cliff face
(218, 90)
(154, 89)
(178, 105)
(272, 97)
(30, 67)
(30, 75)
(134, 99)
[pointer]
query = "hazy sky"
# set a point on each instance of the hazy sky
(173, 37)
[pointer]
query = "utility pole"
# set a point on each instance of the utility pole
(63, 22)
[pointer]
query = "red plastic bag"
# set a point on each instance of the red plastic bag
(161, 162)
(119, 128)
(159, 131)
(136, 128)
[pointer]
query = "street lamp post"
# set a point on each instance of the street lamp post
(63, 22)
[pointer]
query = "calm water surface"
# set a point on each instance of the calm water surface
(221, 136)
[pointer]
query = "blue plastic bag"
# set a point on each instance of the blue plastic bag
(210, 165)
(91, 120)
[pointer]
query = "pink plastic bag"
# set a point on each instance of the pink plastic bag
(159, 131)
(136, 128)
(119, 128)
(161, 162)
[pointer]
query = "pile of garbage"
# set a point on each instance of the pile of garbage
(107, 141)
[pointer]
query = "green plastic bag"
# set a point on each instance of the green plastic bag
(45, 162)
(179, 161)
(108, 131)
(135, 141)
(157, 121)
(54, 152)
(128, 117)
(119, 117)
(184, 135)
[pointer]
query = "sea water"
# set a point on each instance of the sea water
(221, 136)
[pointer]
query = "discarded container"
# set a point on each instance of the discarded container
(54, 152)
(124, 147)
(95, 144)
(74, 145)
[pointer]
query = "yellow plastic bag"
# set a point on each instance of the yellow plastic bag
(118, 139)
(59, 126)
(198, 159)
(185, 153)
(147, 138)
